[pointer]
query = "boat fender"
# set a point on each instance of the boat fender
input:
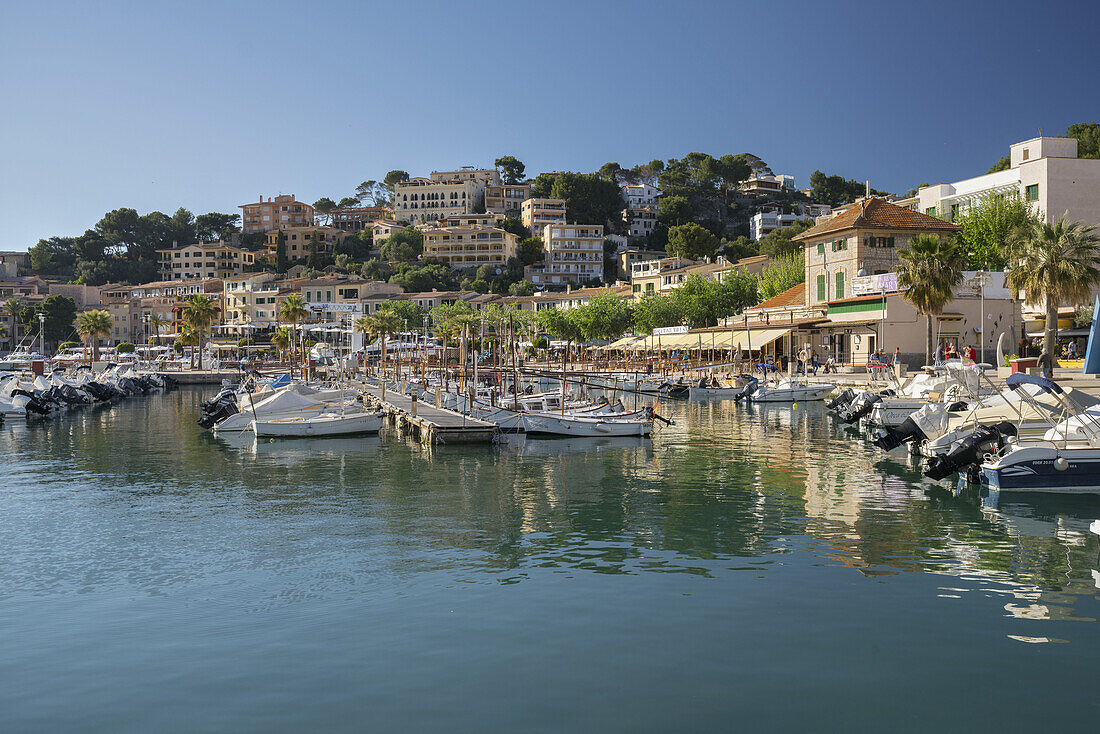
(1061, 464)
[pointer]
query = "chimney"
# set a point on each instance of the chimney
(568, 287)
(867, 188)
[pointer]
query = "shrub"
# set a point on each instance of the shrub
(125, 348)
(68, 345)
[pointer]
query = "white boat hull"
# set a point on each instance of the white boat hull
(549, 425)
(321, 425)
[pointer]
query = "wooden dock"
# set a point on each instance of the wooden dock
(434, 425)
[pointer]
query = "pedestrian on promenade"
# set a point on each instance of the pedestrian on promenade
(1021, 347)
(941, 353)
(815, 362)
(802, 359)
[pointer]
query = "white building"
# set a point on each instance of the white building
(640, 196)
(1044, 171)
(641, 221)
(574, 254)
(768, 221)
(427, 199)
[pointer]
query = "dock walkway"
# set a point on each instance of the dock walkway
(436, 425)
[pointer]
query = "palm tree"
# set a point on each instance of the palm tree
(189, 337)
(200, 312)
(383, 323)
(930, 269)
(14, 308)
(156, 322)
(292, 310)
(91, 325)
(281, 340)
(1056, 264)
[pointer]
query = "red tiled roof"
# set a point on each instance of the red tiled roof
(878, 214)
(795, 295)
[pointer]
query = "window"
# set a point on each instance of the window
(840, 285)
(821, 287)
(930, 211)
(1033, 191)
(1027, 154)
(648, 287)
(821, 249)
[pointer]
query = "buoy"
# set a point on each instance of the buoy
(794, 406)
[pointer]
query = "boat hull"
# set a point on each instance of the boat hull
(323, 425)
(1037, 468)
(546, 425)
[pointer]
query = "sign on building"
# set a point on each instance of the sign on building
(666, 330)
(325, 307)
(869, 284)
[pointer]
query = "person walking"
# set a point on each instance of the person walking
(802, 359)
(815, 362)
(940, 353)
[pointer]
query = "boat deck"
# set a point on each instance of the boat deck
(435, 425)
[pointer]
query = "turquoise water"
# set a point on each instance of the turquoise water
(748, 567)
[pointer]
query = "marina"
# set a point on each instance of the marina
(137, 539)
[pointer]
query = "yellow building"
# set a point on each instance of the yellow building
(303, 241)
(276, 213)
(537, 213)
(204, 260)
(469, 246)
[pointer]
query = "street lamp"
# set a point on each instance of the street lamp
(982, 277)
(42, 333)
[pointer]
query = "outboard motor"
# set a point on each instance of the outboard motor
(750, 387)
(841, 399)
(859, 407)
(970, 450)
(33, 405)
(891, 438)
(209, 420)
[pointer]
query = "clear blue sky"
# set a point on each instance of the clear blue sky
(208, 105)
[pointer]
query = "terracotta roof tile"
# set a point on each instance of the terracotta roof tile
(879, 214)
(792, 296)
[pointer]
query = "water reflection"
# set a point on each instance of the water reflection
(728, 487)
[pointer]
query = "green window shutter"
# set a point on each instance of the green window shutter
(889, 241)
(821, 249)
(821, 287)
(840, 285)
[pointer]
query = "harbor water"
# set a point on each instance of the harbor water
(748, 566)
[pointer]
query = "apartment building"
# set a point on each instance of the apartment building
(506, 199)
(469, 246)
(650, 277)
(252, 299)
(421, 200)
(1045, 172)
(489, 219)
(358, 218)
(640, 222)
(27, 290)
(301, 242)
(131, 306)
(535, 214)
(279, 212)
(573, 254)
(204, 260)
(764, 222)
(640, 196)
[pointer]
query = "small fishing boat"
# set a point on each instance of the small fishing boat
(571, 425)
(325, 424)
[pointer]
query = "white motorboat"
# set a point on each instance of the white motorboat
(324, 424)
(1066, 459)
(292, 401)
(790, 391)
